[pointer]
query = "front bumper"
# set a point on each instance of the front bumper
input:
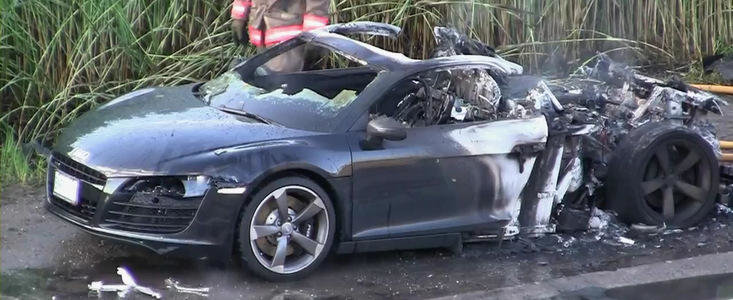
(210, 233)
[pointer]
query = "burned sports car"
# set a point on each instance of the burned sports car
(392, 153)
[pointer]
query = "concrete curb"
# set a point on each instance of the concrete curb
(711, 264)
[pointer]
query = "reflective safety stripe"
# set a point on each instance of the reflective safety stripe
(311, 22)
(239, 9)
(282, 33)
(255, 36)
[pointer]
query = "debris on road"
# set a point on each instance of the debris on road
(671, 231)
(99, 287)
(648, 229)
(569, 242)
(172, 284)
(724, 209)
(129, 284)
(599, 219)
(625, 240)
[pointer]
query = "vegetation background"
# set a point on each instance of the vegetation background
(60, 58)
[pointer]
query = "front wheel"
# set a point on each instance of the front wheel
(287, 229)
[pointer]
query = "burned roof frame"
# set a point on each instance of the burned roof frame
(333, 37)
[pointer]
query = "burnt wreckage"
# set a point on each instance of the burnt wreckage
(396, 153)
(589, 115)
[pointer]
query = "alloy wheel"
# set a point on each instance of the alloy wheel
(289, 229)
(677, 180)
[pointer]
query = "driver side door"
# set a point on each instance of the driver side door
(441, 178)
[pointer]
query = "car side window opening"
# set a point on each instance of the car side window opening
(326, 73)
(442, 96)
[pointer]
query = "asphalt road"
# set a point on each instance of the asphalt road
(42, 257)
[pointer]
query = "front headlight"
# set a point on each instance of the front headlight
(195, 186)
(174, 186)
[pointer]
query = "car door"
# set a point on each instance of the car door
(444, 178)
(441, 178)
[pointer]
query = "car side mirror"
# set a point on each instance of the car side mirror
(383, 128)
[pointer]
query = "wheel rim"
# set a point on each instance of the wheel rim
(677, 181)
(289, 229)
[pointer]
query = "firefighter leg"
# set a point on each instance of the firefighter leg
(288, 62)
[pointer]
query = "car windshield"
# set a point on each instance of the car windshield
(307, 100)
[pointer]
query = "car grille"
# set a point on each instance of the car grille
(137, 212)
(88, 195)
(77, 170)
(151, 214)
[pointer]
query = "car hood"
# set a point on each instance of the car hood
(144, 132)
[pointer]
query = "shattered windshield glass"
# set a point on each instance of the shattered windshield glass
(303, 108)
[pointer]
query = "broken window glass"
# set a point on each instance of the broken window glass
(309, 100)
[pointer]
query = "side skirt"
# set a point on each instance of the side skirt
(447, 240)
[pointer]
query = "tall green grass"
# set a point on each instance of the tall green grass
(59, 58)
(16, 166)
(530, 30)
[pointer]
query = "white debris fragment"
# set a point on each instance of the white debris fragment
(175, 285)
(569, 242)
(625, 240)
(99, 287)
(598, 219)
(724, 209)
(127, 278)
(671, 231)
(648, 229)
(129, 284)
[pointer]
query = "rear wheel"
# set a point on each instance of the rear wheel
(663, 173)
(287, 229)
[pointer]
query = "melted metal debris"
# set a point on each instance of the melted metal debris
(129, 284)
(618, 99)
(175, 285)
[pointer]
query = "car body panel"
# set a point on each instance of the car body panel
(446, 178)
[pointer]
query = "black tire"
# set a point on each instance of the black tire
(640, 187)
(255, 262)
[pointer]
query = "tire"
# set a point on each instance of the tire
(308, 237)
(645, 185)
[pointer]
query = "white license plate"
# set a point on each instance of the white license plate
(66, 188)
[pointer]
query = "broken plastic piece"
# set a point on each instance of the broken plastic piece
(98, 287)
(175, 285)
(648, 229)
(625, 240)
(129, 284)
(599, 219)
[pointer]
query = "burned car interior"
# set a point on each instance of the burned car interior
(441, 97)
